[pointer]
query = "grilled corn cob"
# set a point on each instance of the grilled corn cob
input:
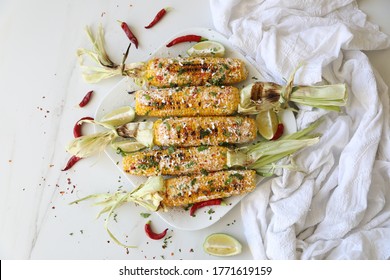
(197, 131)
(193, 160)
(162, 72)
(187, 101)
(196, 71)
(184, 190)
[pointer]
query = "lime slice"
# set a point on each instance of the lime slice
(127, 146)
(267, 123)
(207, 48)
(119, 116)
(222, 245)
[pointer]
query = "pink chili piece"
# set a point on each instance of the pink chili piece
(86, 99)
(72, 161)
(151, 234)
(157, 18)
(77, 127)
(201, 204)
(186, 38)
(129, 33)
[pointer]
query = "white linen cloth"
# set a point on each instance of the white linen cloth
(339, 208)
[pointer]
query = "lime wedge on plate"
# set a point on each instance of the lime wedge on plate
(222, 245)
(127, 146)
(267, 123)
(119, 116)
(207, 48)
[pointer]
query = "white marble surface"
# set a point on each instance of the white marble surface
(40, 85)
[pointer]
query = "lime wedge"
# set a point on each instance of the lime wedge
(267, 123)
(127, 146)
(222, 245)
(207, 48)
(119, 116)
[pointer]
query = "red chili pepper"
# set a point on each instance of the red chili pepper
(157, 18)
(279, 132)
(86, 99)
(129, 33)
(153, 235)
(201, 204)
(72, 161)
(77, 127)
(186, 38)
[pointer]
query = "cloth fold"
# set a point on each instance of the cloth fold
(339, 208)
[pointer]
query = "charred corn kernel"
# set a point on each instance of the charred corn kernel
(187, 101)
(197, 131)
(195, 71)
(176, 161)
(184, 190)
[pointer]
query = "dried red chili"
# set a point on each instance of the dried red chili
(186, 38)
(86, 99)
(279, 132)
(129, 33)
(157, 18)
(72, 161)
(77, 127)
(151, 234)
(201, 204)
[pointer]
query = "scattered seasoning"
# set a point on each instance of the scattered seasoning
(72, 161)
(86, 99)
(202, 148)
(186, 38)
(77, 127)
(151, 234)
(144, 215)
(165, 245)
(157, 18)
(198, 205)
(129, 33)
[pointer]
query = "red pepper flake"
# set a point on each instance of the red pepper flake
(72, 161)
(151, 234)
(157, 18)
(129, 33)
(77, 127)
(201, 204)
(279, 132)
(186, 38)
(86, 98)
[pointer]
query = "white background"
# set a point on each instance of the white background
(40, 85)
